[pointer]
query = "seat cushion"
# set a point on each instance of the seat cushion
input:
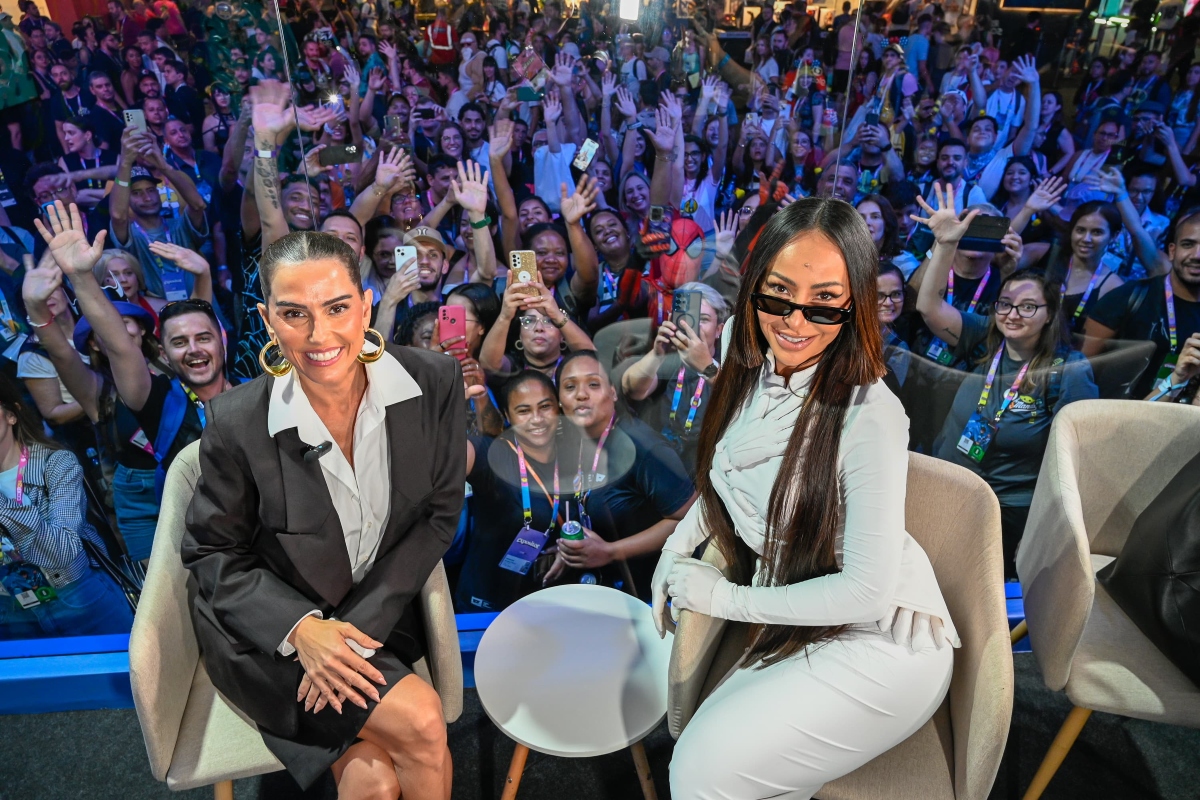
(919, 768)
(1117, 669)
(216, 741)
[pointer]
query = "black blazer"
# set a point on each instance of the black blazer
(265, 545)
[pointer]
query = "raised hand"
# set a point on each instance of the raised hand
(376, 79)
(1108, 179)
(669, 102)
(40, 283)
(608, 84)
(625, 103)
(947, 228)
(67, 242)
(551, 108)
(388, 173)
(1026, 69)
(564, 69)
(500, 138)
(471, 188)
(663, 135)
(722, 97)
(583, 202)
(272, 117)
(312, 161)
(402, 283)
(1047, 193)
(708, 89)
(727, 230)
(352, 75)
(187, 260)
(388, 49)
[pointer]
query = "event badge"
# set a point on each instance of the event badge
(976, 437)
(24, 581)
(939, 352)
(524, 550)
(1168, 366)
(6, 195)
(175, 285)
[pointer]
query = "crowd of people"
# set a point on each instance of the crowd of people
(565, 202)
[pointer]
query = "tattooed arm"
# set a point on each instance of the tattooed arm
(267, 196)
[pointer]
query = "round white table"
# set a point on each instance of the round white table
(574, 671)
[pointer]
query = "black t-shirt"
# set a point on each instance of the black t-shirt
(497, 516)
(655, 409)
(1014, 458)
(151, 413)
(185, 103)
(103, 62)
(638, 482)
(1116, 311)
(63, 108)
(109, 126)
(76, 163)
(921, 339)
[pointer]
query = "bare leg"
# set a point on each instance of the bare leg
(408, 725)
(366, 772)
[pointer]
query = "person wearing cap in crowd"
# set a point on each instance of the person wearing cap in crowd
(135, 206)
(432, 266)
(1145, 146)
(657, 61)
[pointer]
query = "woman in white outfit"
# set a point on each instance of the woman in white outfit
(802, 474)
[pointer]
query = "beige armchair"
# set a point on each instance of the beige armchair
(1105, 462)
(194, 737)
(956, 519)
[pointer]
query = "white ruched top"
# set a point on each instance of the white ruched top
(886, 581)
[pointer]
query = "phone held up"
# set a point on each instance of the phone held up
(984, 235)
(685, 307)
(522, 268)
(404, 253)
(451, 324)
(137, 118)
(341, 154)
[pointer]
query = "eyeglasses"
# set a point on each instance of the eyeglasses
(54, 194)
(530, 322)
(820, 315)
(895, 297)
(1024, 310)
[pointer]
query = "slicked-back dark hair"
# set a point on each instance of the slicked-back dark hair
(300, 246)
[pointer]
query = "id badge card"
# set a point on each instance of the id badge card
(24, 581)
(523, 551)
(175, 285)
(976, 437)
(1168, 366)
(939, 352)
(6, 196)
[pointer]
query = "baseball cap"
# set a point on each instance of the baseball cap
(141, 174)
(895, 48)
(83, 328)
(1150, 107)
(429, 236)
(659, 54)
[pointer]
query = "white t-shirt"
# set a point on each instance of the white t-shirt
(1007, 108)
(704, 194)
(32, 364)
(768, 70)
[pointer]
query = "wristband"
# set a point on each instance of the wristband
(122, 183)
(483, 223)
(721, 64)
(1121, 198)
(559, 325)
(885, 149)
(264, 153)
(33, 324)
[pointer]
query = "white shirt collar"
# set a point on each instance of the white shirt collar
(387, 383)
(798, 382)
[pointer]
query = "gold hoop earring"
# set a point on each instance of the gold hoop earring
(370, 358)
(278, 370)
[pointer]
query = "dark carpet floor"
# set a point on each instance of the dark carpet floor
(99, 755)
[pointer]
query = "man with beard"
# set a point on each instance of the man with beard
(474, 125)
(105, 114)
(136, 211)
(951, 161)
(67, 103)
(1163, 309)
(107, 58)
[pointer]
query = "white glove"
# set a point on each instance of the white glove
(690, 585)
(658, 589)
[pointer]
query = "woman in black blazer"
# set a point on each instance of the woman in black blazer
(329, 490)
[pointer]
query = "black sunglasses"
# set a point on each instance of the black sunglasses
(820, 315)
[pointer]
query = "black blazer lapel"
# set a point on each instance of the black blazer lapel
(410, 470)
(313, 539)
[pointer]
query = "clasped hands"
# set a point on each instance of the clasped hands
(333, 672)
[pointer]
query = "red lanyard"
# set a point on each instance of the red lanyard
(526, 503)
(1010, 395)
(19, 494)
(978, 290)
(595, 463)
(687, 425)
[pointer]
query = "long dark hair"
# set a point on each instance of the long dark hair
(28, 428)
(802, 517)
(1055, 337)
(890, 245)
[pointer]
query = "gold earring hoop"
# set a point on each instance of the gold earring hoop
(370, 358)
(278, 370)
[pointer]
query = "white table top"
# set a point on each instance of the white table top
(574, 671)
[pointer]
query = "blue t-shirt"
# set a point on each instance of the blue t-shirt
(915, 51)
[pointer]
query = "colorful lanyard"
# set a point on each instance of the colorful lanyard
(197, 402)
(19, 494)
(1010, 395)
(526, 504)
(595, 464)
(1172, 331)
(978, 290)
(1087, 293)
(691, 417)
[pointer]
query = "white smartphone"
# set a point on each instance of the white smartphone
(587, 151)
(403, 253)
(135, 117)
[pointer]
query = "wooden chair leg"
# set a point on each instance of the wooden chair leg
(1059, 748)
(645, 777)
(1020, 632)
(223, 790)
(516, 768)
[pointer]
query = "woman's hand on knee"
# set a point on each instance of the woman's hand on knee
(337, 672)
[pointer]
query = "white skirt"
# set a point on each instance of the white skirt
(787, 730)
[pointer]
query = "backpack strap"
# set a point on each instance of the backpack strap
(173, 411)
(1137, 298)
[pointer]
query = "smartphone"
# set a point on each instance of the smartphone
(984, 234)
(527, 94)
(522, 268)
(135, 117)
(403, 253)
(452, 323)
(587, 151)
(529, 65)
(657, 213)
(341, 154)
(391, 126)
(685, 307)
(426, 113)
(752, 118)
(872, 119)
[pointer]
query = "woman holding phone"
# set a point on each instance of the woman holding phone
(544, 333)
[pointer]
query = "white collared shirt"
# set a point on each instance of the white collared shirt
(361, 494)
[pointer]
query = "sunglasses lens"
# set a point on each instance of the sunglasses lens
(827, 316)
(772, 306)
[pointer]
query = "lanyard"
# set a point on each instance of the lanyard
(1172, 331)
(19, 494)
(1010, 395)
(197, 402)
(526, 505)
(695, 404)
(1087, 293)
(978, 290)
(595, 464)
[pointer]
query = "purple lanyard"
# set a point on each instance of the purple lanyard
(978, 291)
(695, 404)
(1010, 395)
